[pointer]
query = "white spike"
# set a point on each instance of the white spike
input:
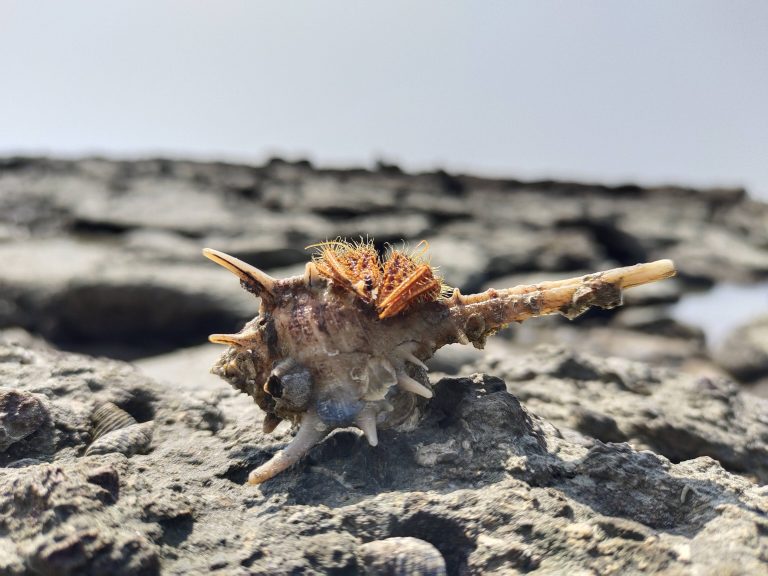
(405, 351)
(411, 358)
(366, 421)
(310, 274)
(407, 383)
(311, 431)
(408, 355)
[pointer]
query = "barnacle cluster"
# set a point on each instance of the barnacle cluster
(345, 343)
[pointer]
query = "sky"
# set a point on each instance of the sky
(649, 92)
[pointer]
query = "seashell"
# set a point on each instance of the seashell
(345, 343)
(133, 439)
(108, 417)
(114, 430)
(402, 557)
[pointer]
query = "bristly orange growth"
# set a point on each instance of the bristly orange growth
(354, 266)
(402, 280)
(406, 280)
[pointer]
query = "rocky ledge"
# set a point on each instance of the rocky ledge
(103, 257)
(610, 467)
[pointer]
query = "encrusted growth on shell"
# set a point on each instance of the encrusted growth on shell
(344, 344)
(399, 281)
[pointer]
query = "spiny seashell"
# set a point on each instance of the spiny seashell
(402, 557)
(133, 439)
(344, 344)
(108, 417)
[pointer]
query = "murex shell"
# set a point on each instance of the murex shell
(345, 343)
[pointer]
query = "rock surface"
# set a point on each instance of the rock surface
(575, 460)
(491, 485)
(103, 256)
(744, 353)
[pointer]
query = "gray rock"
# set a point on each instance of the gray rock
(463, 264)
(677, 415)
(21, 414)
(618, 468)
(744, 353)
(493, 487)
(104, 256)
(83, 296)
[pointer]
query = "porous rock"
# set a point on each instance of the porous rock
(494, 487)
(21, 414)
(744, 353)
(678, 415)
(98, 253)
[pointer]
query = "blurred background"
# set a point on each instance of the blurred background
(525, 141)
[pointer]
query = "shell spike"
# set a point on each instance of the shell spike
(311, 431)
(406, 352)
(310, 274)
(407, 383)
(228, 339)
(366, 421)
(270, 423)
(561, 291)
(252, 279)
(475, 316)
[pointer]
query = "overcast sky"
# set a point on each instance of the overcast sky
(652, 91)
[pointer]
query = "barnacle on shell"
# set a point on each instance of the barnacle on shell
(345, 343)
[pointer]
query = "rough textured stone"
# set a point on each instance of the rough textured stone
(744, 353)
(493, 487)
(558, 461)
(677, 415)
(103, 256)
(21, 414)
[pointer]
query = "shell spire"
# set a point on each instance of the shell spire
(477, 316)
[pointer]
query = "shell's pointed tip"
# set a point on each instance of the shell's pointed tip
(669, 266)
(647, 273)
(215, 255)
(253, 279)
(226, 339)
(367, 423)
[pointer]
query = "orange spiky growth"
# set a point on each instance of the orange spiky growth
(406, 281)
(400, 282)
(354, 266)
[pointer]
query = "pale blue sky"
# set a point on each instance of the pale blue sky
(651, 91)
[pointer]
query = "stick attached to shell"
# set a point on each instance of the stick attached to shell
(345, 343)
